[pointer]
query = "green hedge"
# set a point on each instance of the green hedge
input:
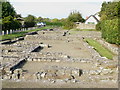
(54, 23)
(98, 26)
(110, 31)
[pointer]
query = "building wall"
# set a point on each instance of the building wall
(86, 26)
(91, 19)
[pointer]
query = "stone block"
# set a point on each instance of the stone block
(106, 71)
(57, 60)
(43, 75)
(29, 59)
(75, 72)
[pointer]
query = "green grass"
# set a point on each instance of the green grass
(20, 34)
(104, 52)
(76, 29)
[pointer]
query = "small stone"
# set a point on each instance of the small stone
(106, 71)
(43, 75)
(57, 60)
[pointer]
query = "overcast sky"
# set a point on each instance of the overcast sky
(56, 8)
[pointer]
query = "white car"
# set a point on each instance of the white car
(39, 24)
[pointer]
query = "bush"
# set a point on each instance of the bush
(9, 23)
(54, 23)
(110, 31)
(98, 26)
(30, 21)
(69, 25)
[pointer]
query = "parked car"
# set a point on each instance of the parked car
(40, 24)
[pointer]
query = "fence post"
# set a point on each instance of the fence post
(3, 32)
(7, 32)
(10, 31)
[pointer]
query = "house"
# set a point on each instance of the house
(92, 19)
(21, 20)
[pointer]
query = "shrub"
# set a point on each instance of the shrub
(54, 23)
(69, 25)
(9, 23)
(98, 26)
(110, 31)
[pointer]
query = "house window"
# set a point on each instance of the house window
(91, 22)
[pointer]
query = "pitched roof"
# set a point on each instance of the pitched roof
(93, 17)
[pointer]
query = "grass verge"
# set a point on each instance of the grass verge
(104, 52)
(76, 29)
(20, 34)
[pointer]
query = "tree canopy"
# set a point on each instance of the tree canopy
(110, 10)
(7, 9)
(30, 21)
(8, 16)
(75, 17)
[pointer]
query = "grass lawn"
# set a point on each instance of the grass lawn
(20, 34)
(100, 49)
(76, 29)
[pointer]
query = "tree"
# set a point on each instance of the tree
(55, 20)
(75, 17)
(7, 9)
(30, 21)
(69, 25)
(110, 10)
(9, 23)
(8, 16)
(109, 22)
(39, 19)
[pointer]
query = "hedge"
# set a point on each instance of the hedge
(54, 23)
(110, 31)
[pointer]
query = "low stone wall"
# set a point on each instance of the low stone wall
(111, 47)
(86, 26)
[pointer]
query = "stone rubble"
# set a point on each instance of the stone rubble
(12, 54)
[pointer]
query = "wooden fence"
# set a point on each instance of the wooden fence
(18, 30)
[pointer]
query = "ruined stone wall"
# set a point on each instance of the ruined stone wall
(111, 47)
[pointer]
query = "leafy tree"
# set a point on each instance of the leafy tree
(55, 20)
(69, 25)
(75, 17)
(46, 20)
(30, 21)
(109, 24)
(8, 16)
(110, 10)
(9, 23)
(7, 9)
(39, 19)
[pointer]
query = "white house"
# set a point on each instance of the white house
(92, 19)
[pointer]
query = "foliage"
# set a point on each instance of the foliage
(39, 19)
(100, 49)
(7, 9)
(110, 16)
(98, 26)
(46, 20)
(30, 21)
(54, 23)
(72, 18)
(110, 10)
(75, 17)
(8, 17)
(110, 31)
(9, 23)
(69, 25)
(55, 20)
